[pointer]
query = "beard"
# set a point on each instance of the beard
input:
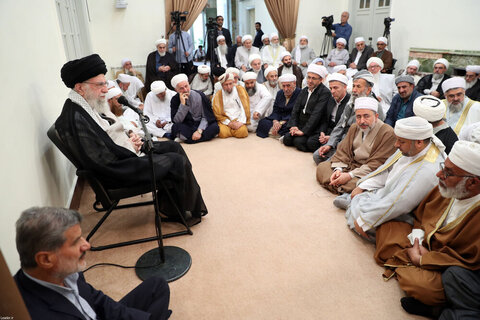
(437, 76)
(376, 77)
(358, 95)
(455, 107)
(302, 46)
(223, 49)
(98, 104)
(272, 83)
(288, 65)
(470, 84)
(251, 91)
(457, 192)
(274, 45)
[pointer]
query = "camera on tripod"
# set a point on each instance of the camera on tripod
(327, 22)
(387, 21)
(179, 17)
(211, 24)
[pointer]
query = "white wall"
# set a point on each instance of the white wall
(434, 24)
(34, 173)
(126, 33)
(262, 15)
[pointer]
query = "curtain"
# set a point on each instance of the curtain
(194, 8)
(284, 15)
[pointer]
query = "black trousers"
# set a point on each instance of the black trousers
(302, 143)
(152, 296)
(187, 131)
(265, 125)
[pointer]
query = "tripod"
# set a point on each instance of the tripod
(178, 40)
(326, 44)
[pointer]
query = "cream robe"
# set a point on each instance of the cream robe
(470, 113)
(259, 102)
(157, 109)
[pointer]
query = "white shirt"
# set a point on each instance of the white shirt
(233, 107)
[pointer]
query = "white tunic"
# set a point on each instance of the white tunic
(232, 105)
(242, 55)
(271, 55)
(385, 88)
(157, 109)
(204, 86)
(303, 55)
(338, 56)
(472, 116)
(260, 102)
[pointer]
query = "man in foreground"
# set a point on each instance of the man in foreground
(52, 257)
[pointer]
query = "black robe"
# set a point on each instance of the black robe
(116, 166)
(474, 92)
(257, 42)
(426, 83)
(331, 104)
(152, 74)
(448, 137)
(362, 62)
(297, 72)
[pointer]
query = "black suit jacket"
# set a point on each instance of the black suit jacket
(426, 83)
(257, 42)
(296, 71)
(226, 34)
(43, 303)
(331, 104)
(314, 120)
(362, 62)
(474, 92)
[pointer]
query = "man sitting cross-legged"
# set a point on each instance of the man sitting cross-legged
(368, 143)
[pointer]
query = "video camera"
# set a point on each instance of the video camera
(178, 17)
(387, 21)
(211, 24)
(327, 22)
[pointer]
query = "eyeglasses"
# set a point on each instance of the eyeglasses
(447, 174)
(97, 84)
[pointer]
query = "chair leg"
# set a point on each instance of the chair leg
(99, 223)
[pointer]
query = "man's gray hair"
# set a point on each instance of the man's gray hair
(42, 229)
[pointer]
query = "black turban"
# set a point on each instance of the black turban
(79, 70)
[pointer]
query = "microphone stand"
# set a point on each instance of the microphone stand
(167, 262)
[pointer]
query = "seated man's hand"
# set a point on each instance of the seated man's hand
(160, 123)
(196, 135)
(276, 126)
(141, 106)
(356, 191)
(343, 178)
(435, 93)
(136, 141)
(184, 98)
(353, 65)
(416, 252)
(235, 125)
(323, 138)
(323, 150)
(292, 130)
(256, 115)
(244, 68)
(299, 133)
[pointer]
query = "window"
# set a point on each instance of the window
(365, 4)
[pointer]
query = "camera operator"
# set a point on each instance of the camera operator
(180, 44)
(220, 31)
(342, 29)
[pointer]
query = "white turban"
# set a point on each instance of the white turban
(177, 79)
(254, 57)
(233, 70)
(303, 37)
(160, 41)
(466, 156)
(158, 86)
(284, 54)
(246, 37)
(273, 34)
(341, 40)
(413, 128)
(124, 78)
(429, 108)
(470, 132)
(249, 76)
(339, 68)
(203, 69)
(474, 69)
(338, 77)
(112, 92)
(318, 69)
(382, 39)
(268, 70)
(453, 83)
(265, 36)
(376, 60)
(225, 77)
(413, 63)
(366, 103)
(359, 39)
(220, 37)
(125, 60)
(442, 61)
(287, 77)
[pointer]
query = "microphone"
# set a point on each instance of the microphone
(123, 100)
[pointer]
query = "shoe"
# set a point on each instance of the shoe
(414, 306)
(342, 201)
(177, 139)
(281, 139)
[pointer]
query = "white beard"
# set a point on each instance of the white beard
(470, 84)
(457, 192)
(274, 45)
(223, 49)
(376, 77)
(456, 107)
(437, 76)
(162, 54)
(302, 46)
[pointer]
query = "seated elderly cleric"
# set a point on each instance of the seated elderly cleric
(101, 145)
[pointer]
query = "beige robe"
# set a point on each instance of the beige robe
(358, 156)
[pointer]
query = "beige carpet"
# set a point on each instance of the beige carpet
(273, 246)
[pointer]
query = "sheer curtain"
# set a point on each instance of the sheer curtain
(194, 8)
(284, 15)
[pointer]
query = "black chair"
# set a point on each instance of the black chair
(107, 199)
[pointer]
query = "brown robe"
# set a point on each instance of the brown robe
(455, 244)
(361, 160)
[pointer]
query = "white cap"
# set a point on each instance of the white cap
(273, 34)
(160, 41)
(466, 156)
(318, 69)
(338, 77)
(453, 83)
(220, 37)
(158, 86)
(203, 69)
(339, 68)
(376, 60)
(287, 77)
(284, 54)
(474, 69)
(268, 70)
(124, 78)
(413, 63)
(303, 37)
(442, 61)
(233, 70)
(470, 132)
(413, 128)
(249, 76)
(254, 57)
(112, 92)
(177, 79)
(359, 39)
(341, 40)
(225, 77)
(246, 37)
(429, 108)
(265, 36)
(125, 60)
(382, 39)
(366, 103)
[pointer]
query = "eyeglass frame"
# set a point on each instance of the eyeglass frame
(98, 84)
(446, 174)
